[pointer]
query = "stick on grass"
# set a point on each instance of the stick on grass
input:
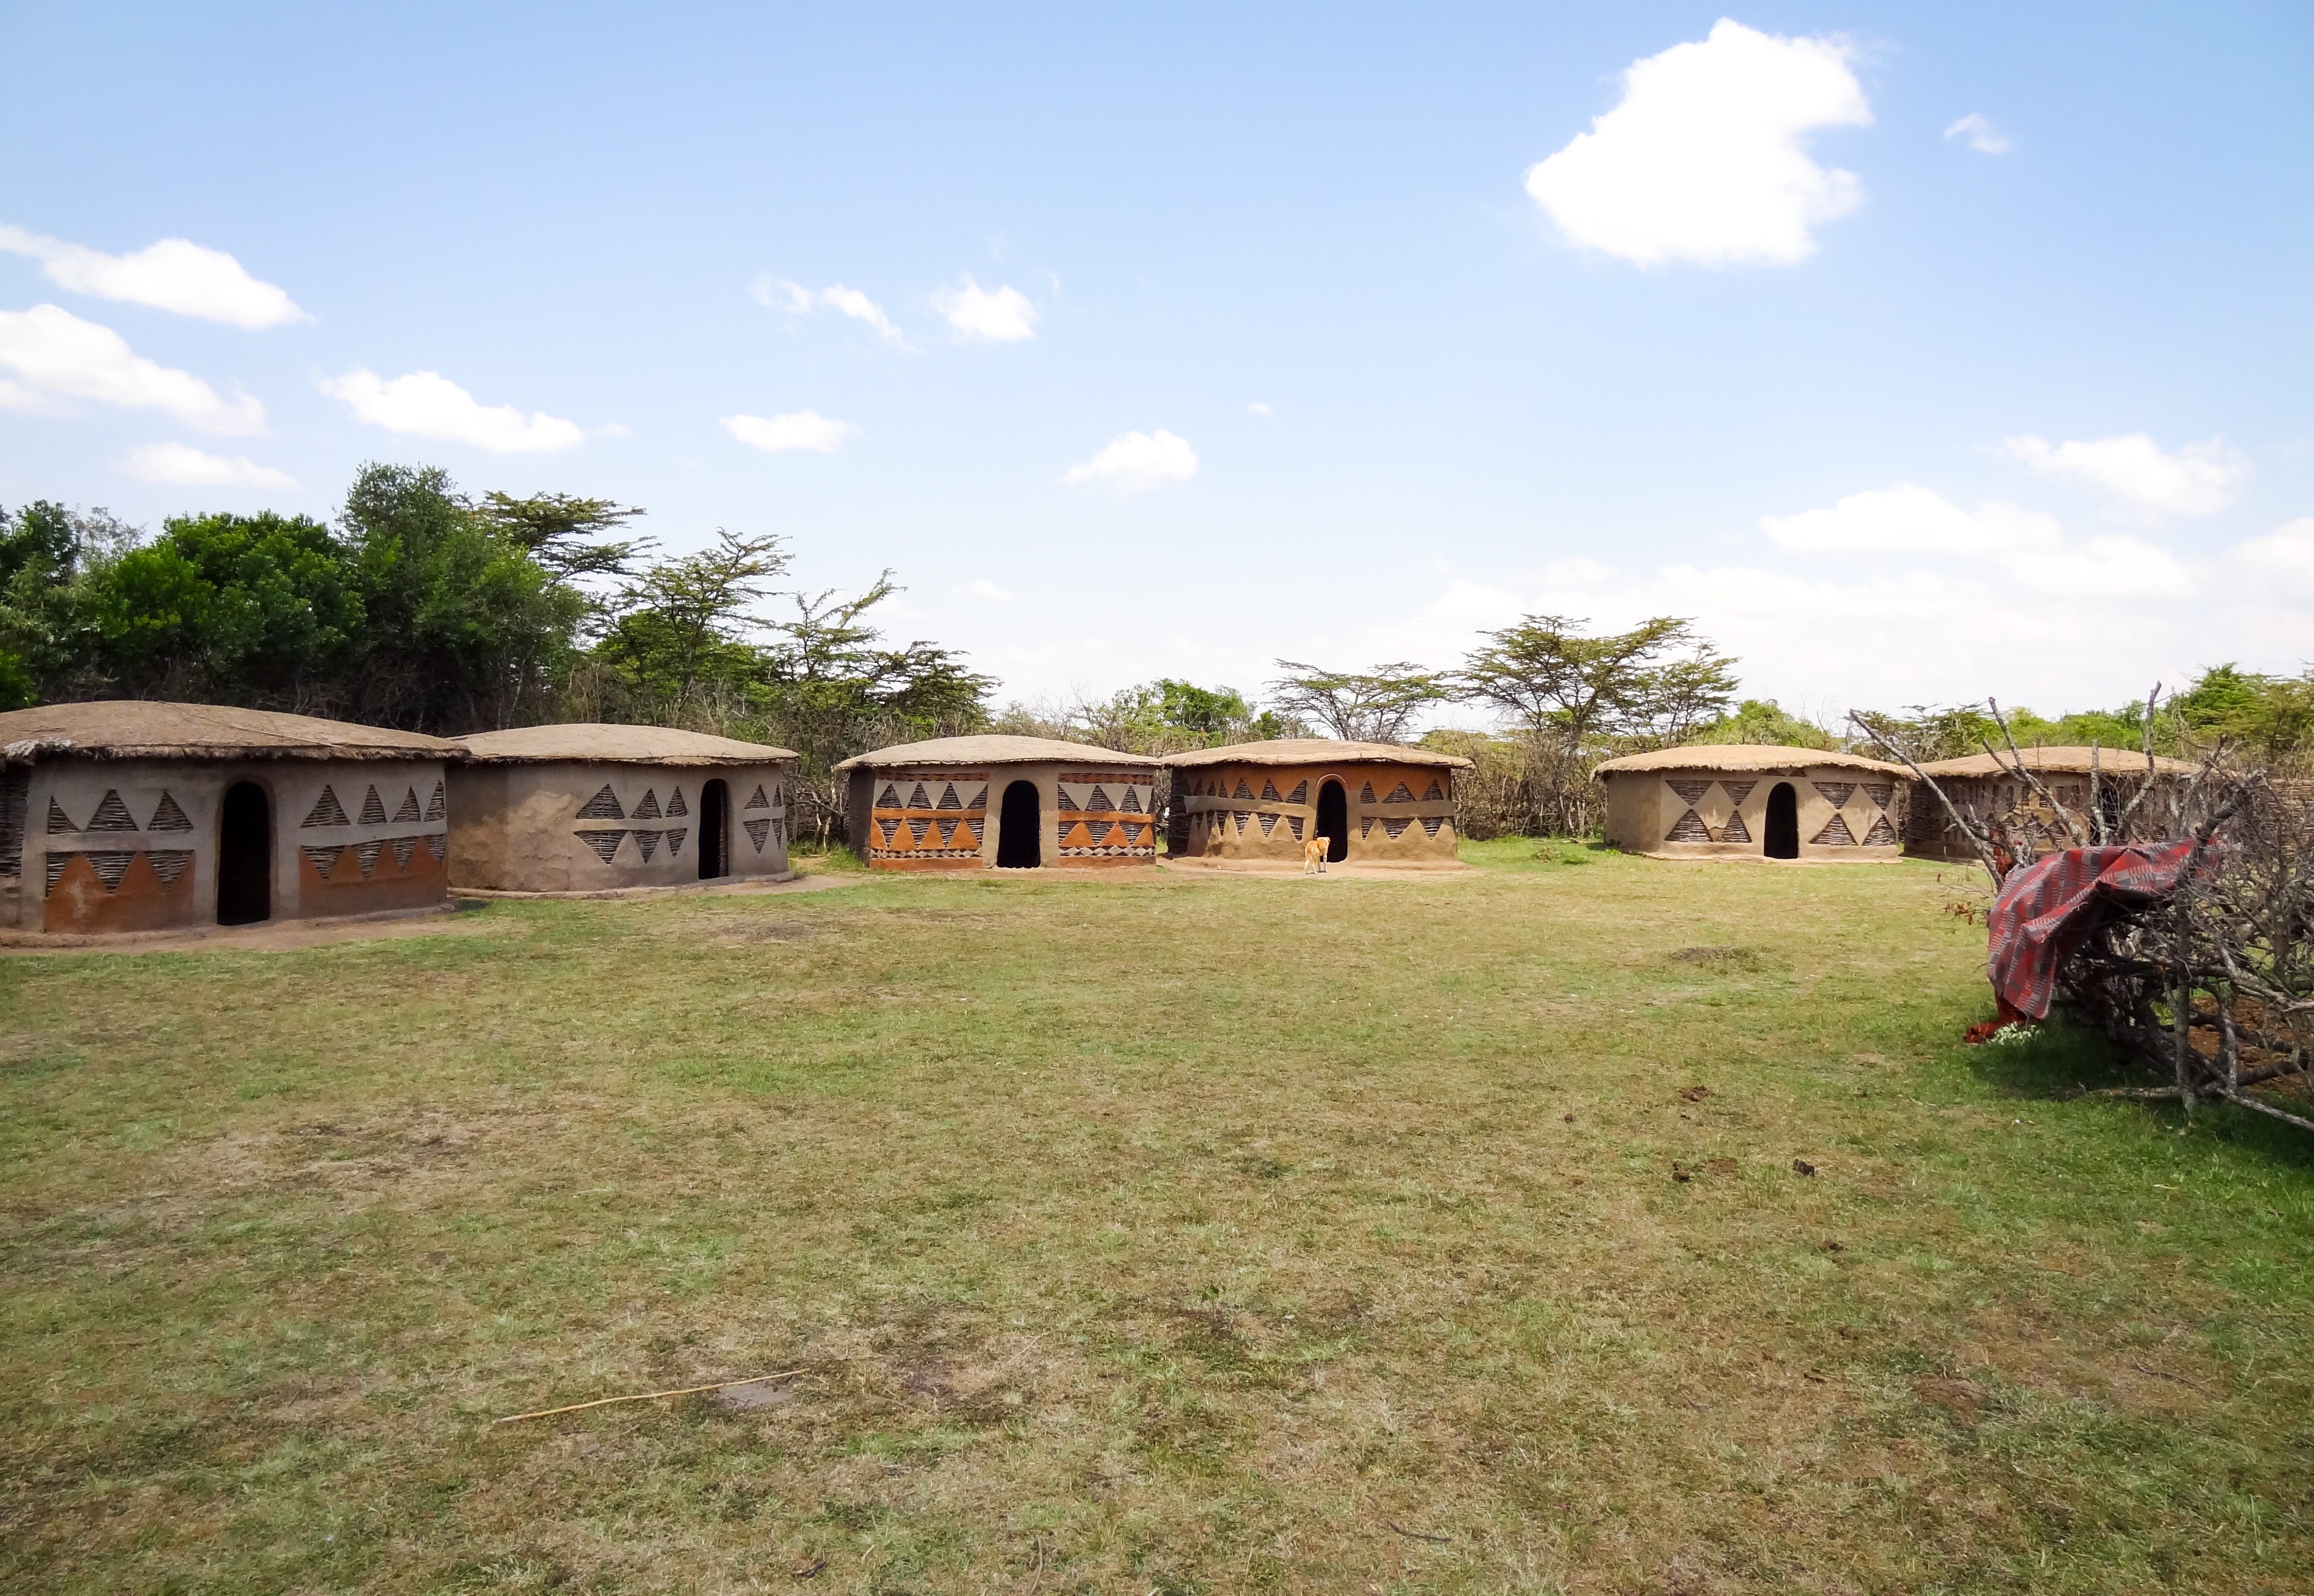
(720, 1385)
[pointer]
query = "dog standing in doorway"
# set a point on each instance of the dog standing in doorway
(1313, 856)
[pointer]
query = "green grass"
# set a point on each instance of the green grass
(1175, 1234)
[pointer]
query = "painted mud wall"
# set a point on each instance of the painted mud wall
(1843, 813)
(1398, 813)
(948, 818)
(581, 826)
(131, 845)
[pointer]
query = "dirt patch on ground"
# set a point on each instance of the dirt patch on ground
(273, 937)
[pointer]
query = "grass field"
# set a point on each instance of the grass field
(1178, 1234)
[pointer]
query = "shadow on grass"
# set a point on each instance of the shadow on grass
(2059, 1061)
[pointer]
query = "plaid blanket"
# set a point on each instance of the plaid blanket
(2045, 909)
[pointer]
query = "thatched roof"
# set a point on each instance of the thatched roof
(1747, 757)
(140, 729)
(1317, 751)
(2112, 762)
(995, 750)
(595, 742)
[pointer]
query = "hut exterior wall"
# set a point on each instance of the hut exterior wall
(1401, 814)
(583, 826)
(948, 818)
(131, 845)
(1932, 833)
(1708, 814)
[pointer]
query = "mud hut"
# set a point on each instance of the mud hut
(1739, 800)
(591, 807)
(1986, 787)
(990, 803)
(144, 817)
(1375, 803)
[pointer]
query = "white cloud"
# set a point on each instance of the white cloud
(1001, 315)
(60, 357)
(175, 274)
(982, 587)
(2199, 479)
(800, 429)
(186, 466)
(1908, 519)
(1137, 462)
(1705, 158)
(796, 300)
(427, 404)
(1259, 409)
(2286, 559)
(1982, 137)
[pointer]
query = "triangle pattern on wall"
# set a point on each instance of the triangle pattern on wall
(1436, 795)
(1396, 828)
(920, 798)
(1294, 823)
(365, 853)
(1269, 793)
(325, 860)
(168, 817)
(917, 829)
(1735, 831)
(169, 863)
(1400, 793)
(948, 798)
(1879, 792)
(1066, 801)
(757, 830)
(675, 840)
(1690, 829)
(761, 802)
(1737, 791)
(1882, 834)
(109, 868)
(1835, 835)
(675, 808)
(1301, 793)
(327, 810)
(1100, 800)
(373, 807)
(112, 815)
(435, 807)
(891, 798)
(890, 828)
(1242, 791)
(437, 843)
(978, 828)
(56, 863)
(605, 845)
(979, 800)
(1835, 792)
(648, 809)
(1365, 793)
(948, 831)
(409, 811)
(58, 821)
(1269, 823)
(1690, 793)
(403, 847)
(603, 805)
(647, 843)
(1132, 804)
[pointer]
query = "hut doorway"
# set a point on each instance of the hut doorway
(1782, 839)
(244, 856)
(1019, 845)
(714, 829)
(1334, 819)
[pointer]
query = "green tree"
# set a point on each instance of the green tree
(683, 628)
(1765, 721)
(1376, 706)
(1656, 682)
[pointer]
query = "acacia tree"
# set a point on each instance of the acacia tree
(683, 628)
(1375, 706)
(1575, 697)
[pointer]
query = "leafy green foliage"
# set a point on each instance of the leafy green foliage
(1376, 706)
(1765, 721)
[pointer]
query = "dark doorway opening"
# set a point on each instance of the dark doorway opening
(1019, 845)
(1783, 836)
(245, 856)
(1334, 820)
(714, 829)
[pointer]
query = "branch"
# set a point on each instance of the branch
(1977, 839)
(2032, 780)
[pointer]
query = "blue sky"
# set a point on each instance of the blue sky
(1606, 310)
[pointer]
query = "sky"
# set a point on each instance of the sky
(1919, 353)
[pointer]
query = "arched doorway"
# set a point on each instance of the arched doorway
(244, 856)
(714, 829)
(1334, 819)
(1019, 843)
(1782, 840)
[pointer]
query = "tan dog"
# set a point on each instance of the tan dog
(1313, 856)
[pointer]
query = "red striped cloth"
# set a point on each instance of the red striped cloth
(2045, 909)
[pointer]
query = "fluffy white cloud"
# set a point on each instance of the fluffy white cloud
(2286, 559)
(1001, 315)
(1259, 408)
(175, 274)
(1705, 158)
(1137, 462)
(1908, 519)
(796, 300)
(982, 587)
(427, 404)
(57, 357)
(1982, 137)
(800, 429)
(186, 466)
(2199, 479)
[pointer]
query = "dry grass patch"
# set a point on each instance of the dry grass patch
(1183, 1233)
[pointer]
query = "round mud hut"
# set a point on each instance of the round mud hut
(1258, 804)
(1987, 789)
(590, 808)
(1739, 800)
(998, 803)
(146, 816)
